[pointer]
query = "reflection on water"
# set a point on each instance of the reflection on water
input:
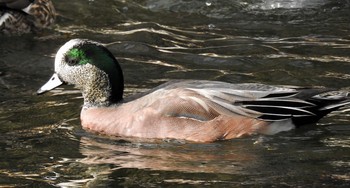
(294, 42)
(177, 157)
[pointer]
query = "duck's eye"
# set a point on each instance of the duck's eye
(72, 60)
(76, 56)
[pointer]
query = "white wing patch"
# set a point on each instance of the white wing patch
(27, 9)
(200, 102)
(4, 18)
(223, 99)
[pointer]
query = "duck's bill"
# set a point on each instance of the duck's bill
(51, 84)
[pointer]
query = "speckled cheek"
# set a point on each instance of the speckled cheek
(73, 74)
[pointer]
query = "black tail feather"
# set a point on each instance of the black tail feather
(306, 107)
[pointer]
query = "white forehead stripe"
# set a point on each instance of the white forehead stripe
(65, 48)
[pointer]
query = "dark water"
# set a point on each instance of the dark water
(300, 42)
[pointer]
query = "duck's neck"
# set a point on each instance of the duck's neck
(105, 85)
(97, 98)
(101, 92)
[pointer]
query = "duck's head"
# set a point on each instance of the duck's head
(90, 67)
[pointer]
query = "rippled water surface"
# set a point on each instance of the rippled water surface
(296, 42)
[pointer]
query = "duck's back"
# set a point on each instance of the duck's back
(14, 22)
(26, 18)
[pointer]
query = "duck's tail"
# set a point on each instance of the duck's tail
(305, 106)
(323, 105)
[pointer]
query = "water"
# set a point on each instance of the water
(275, 42)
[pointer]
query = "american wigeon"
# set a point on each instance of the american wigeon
(195, 110)
(24, 16)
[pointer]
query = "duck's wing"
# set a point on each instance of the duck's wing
(204, 100)
(254, 100)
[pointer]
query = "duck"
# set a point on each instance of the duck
(189, 110)
(18, 17)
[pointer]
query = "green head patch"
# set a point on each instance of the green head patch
(76, 56)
